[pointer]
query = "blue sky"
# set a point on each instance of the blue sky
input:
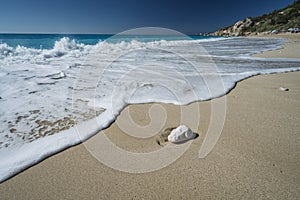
(113, 16)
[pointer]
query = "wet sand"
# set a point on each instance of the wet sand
(256, 156)
(290, 50)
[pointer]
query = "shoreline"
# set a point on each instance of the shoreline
(289, 50)
(51, 170)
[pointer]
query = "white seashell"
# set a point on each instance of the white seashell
(284, 89)
(181, 133)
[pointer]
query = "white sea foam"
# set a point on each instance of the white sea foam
(45, 92)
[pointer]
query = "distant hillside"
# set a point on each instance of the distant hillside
(278, 20)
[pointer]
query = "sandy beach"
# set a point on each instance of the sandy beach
(256, 156)
(290, 50)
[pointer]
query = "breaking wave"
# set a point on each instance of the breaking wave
(44, 93)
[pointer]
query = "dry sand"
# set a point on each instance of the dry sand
(256, 157)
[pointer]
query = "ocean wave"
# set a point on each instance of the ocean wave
(46, 92)
(70, 47)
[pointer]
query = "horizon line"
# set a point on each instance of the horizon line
(66, 33)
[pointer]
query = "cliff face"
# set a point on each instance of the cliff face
(277, 21)
(237, 29)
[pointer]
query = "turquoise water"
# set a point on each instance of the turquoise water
(46, 41)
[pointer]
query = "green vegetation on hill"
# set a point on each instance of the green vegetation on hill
(281, 20)
(288, 17)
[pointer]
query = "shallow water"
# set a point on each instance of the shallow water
(45, 91)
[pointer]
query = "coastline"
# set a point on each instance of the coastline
(252, 159)
(289, 50)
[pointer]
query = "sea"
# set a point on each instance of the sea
(52, 83)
